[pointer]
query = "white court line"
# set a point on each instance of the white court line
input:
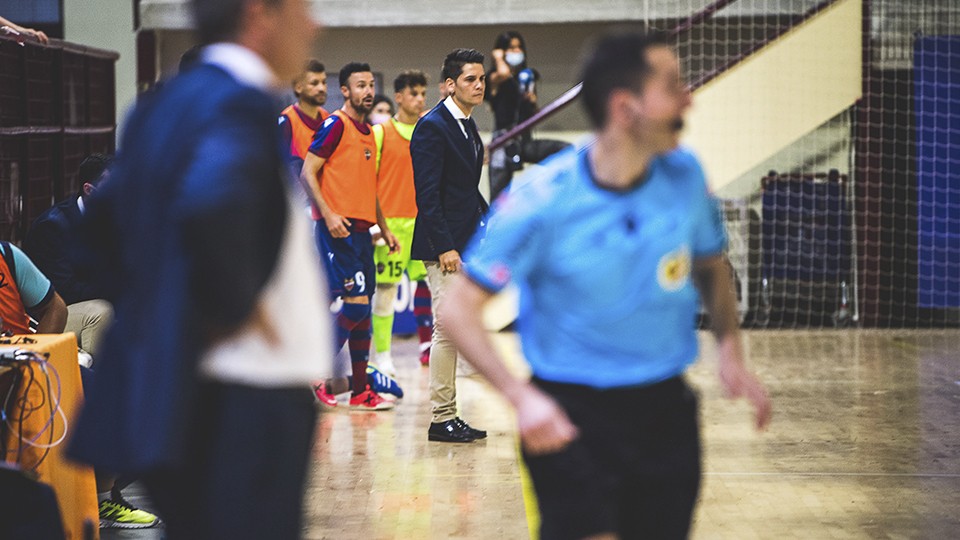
(853, 474)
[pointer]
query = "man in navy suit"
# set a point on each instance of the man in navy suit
(49, 244)
(447, 159)
(203, 382)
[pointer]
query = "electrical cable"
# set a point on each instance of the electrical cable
(28, 361)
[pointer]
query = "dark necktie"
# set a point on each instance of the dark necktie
(472, 135)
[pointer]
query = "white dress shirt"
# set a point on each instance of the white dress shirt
(457, 114)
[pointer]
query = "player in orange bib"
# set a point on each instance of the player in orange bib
(340, 169)
(300, 121)
(398, 200)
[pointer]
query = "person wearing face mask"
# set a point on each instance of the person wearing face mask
(382, 110)
(512, 94)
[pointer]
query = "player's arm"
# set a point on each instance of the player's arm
(712, 277)
(544, 426)
(385, 231)
(229, 218)
(338, 225)
(51, 316)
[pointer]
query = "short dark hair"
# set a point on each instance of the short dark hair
(454, 62)
(91, 169)
(351, 68)
(409, 79)
(219, 20)
(380, 98)
(612, 62)
(314, 66)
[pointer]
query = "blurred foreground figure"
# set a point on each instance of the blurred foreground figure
(610, 245)
(203, 383)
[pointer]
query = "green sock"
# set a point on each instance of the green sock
(382, 332)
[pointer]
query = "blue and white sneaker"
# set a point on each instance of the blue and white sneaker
(382, 384)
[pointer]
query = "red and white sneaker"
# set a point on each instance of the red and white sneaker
(425, 357)
(370, 401)
(325, 396)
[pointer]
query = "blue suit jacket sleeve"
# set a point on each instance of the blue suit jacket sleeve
(179, 209)
(427, 149)
(231, 215)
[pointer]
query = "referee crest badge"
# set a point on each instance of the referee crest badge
(673, 270)
(367, 153)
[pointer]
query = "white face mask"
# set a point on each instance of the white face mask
(378, 118)
(514, 58)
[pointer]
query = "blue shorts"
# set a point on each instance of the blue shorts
(348, 261)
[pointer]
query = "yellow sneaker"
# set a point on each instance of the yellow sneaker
(117, 513)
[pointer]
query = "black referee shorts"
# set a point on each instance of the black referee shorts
(634, 470)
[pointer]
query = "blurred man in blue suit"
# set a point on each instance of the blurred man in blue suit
(203, 386)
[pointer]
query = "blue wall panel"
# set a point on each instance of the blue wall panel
(937, 92)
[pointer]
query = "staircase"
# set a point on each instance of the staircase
(776, 95)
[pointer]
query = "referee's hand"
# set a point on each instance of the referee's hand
(738, 381)
(544, 426)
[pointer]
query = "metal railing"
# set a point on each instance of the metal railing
(685, 25)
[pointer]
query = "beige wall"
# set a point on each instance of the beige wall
(175, 14)
(107, 24)
(553, 50)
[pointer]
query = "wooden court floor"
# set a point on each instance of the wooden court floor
(865, 443)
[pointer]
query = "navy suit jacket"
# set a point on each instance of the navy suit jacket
(446, 172)
(50, 242)
(185, 233)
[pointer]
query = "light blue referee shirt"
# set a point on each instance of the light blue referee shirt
(607, 298)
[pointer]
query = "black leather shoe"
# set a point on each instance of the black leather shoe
(449, 431)
(475, 433)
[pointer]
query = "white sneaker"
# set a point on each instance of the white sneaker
(384, 362)
(84, 358)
